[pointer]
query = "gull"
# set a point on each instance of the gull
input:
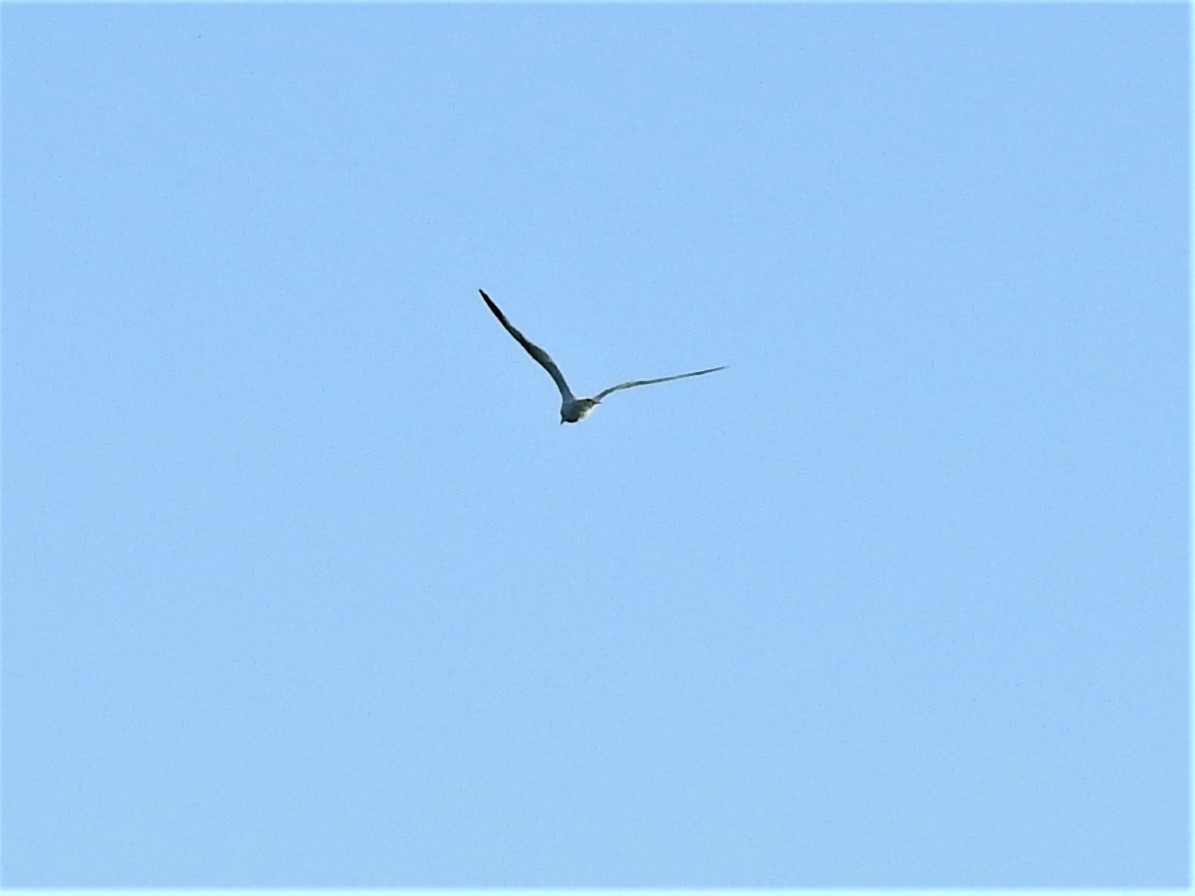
(573, 409)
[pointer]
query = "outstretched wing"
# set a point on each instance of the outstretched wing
(633, 383)
(542, 357)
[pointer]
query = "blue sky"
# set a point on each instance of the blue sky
(304, 585)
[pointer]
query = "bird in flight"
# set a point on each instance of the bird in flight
(573, 409)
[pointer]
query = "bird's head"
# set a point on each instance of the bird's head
(576, 410)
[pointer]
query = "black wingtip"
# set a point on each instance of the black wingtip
(494, 308)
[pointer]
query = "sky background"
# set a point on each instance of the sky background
(304, 585)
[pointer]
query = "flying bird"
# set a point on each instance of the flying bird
(573, 409)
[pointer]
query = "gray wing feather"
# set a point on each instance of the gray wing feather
(633, 383)
(542, 357)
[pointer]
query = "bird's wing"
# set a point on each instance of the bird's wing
(544, 359)
(633, 383)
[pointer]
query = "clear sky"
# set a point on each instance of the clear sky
(304, 584)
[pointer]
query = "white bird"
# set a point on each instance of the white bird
(573, 409)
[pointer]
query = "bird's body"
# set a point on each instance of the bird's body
(573, 409)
